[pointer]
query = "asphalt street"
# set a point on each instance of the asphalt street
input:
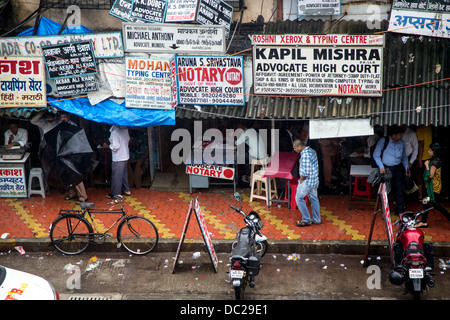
(121, 276)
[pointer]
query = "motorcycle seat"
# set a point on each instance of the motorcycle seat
(242, 249)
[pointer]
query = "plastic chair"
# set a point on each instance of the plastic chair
(293, 183)
(39, 174)
(265, 187)
(362, 188)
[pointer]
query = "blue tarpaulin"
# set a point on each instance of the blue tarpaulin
(111, 112)
(106, 111)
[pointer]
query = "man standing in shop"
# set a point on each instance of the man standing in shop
(307, 184)
(394, 158)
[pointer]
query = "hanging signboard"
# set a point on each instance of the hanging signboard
(316, 8)
(181, 10)
(424, 18)
(105, 45)
(149, 10)
(69, 59)
(215, 12)
(195, 206)
(173, 38)
(12, 183)
(210, 80)
(149, 83)
(122, 10)
(318, 65)
(75, 86)
(22, 82)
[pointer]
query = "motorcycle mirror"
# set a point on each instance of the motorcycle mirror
(237, 196)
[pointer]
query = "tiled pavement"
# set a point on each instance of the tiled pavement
(31, 218)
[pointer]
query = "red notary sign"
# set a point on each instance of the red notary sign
(194, 205)
(387, 218)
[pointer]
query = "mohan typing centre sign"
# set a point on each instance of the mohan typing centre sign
(22, 82)
(210, 80)
(338, 65)
(149, 83)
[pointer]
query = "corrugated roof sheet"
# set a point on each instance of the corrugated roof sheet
(415, 93)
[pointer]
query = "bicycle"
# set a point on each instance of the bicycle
(71, 232)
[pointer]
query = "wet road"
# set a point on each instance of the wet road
(121, 276)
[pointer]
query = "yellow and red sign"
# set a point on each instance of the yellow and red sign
(211, 171)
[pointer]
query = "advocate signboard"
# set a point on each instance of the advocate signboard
(105, 45)
(211, 171)
(22, 82)
(173, 38)
(321, 8)
(210, 80)
(148, 83)
(69, 59)
(424, 18)
(318, 65)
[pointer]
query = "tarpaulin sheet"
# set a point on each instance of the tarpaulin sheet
(107, 111)
(110, 112)
(48, 27)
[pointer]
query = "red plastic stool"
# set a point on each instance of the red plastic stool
(362, 188)
(293, 183)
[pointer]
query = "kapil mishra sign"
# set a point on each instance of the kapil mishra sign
(338, 65)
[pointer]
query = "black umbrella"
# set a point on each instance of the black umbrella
(65, 155)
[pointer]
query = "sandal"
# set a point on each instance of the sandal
(79, 201)
(127, 193)
(303, 224)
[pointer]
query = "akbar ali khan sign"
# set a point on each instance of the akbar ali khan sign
(349, 65)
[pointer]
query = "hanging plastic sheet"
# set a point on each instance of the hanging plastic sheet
(47, 26)
(110, 112)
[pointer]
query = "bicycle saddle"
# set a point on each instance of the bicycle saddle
(87, 205)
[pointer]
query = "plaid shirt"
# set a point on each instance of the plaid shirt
(309, 167)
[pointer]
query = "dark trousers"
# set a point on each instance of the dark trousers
(398, 172)
(437, 205)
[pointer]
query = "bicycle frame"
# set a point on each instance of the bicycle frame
(89, 213)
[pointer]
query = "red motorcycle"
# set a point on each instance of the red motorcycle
(413, 258)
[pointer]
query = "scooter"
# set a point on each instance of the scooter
(246, 252)
(413, 258)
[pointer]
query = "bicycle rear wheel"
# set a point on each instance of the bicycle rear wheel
(138, 235)
(70, 234)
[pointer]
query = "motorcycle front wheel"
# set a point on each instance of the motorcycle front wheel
(264, 245)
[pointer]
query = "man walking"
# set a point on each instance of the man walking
(307, 184)
(394, 158)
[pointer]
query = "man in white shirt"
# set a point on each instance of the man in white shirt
(119, 141)
(411, 144)
(15, 136)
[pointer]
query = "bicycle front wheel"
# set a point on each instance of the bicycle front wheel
(138, 235)
(70, 234)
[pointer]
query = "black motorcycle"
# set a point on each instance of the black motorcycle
(246, 252)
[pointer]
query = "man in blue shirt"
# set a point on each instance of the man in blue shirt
(394, 158)
(307, 184)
